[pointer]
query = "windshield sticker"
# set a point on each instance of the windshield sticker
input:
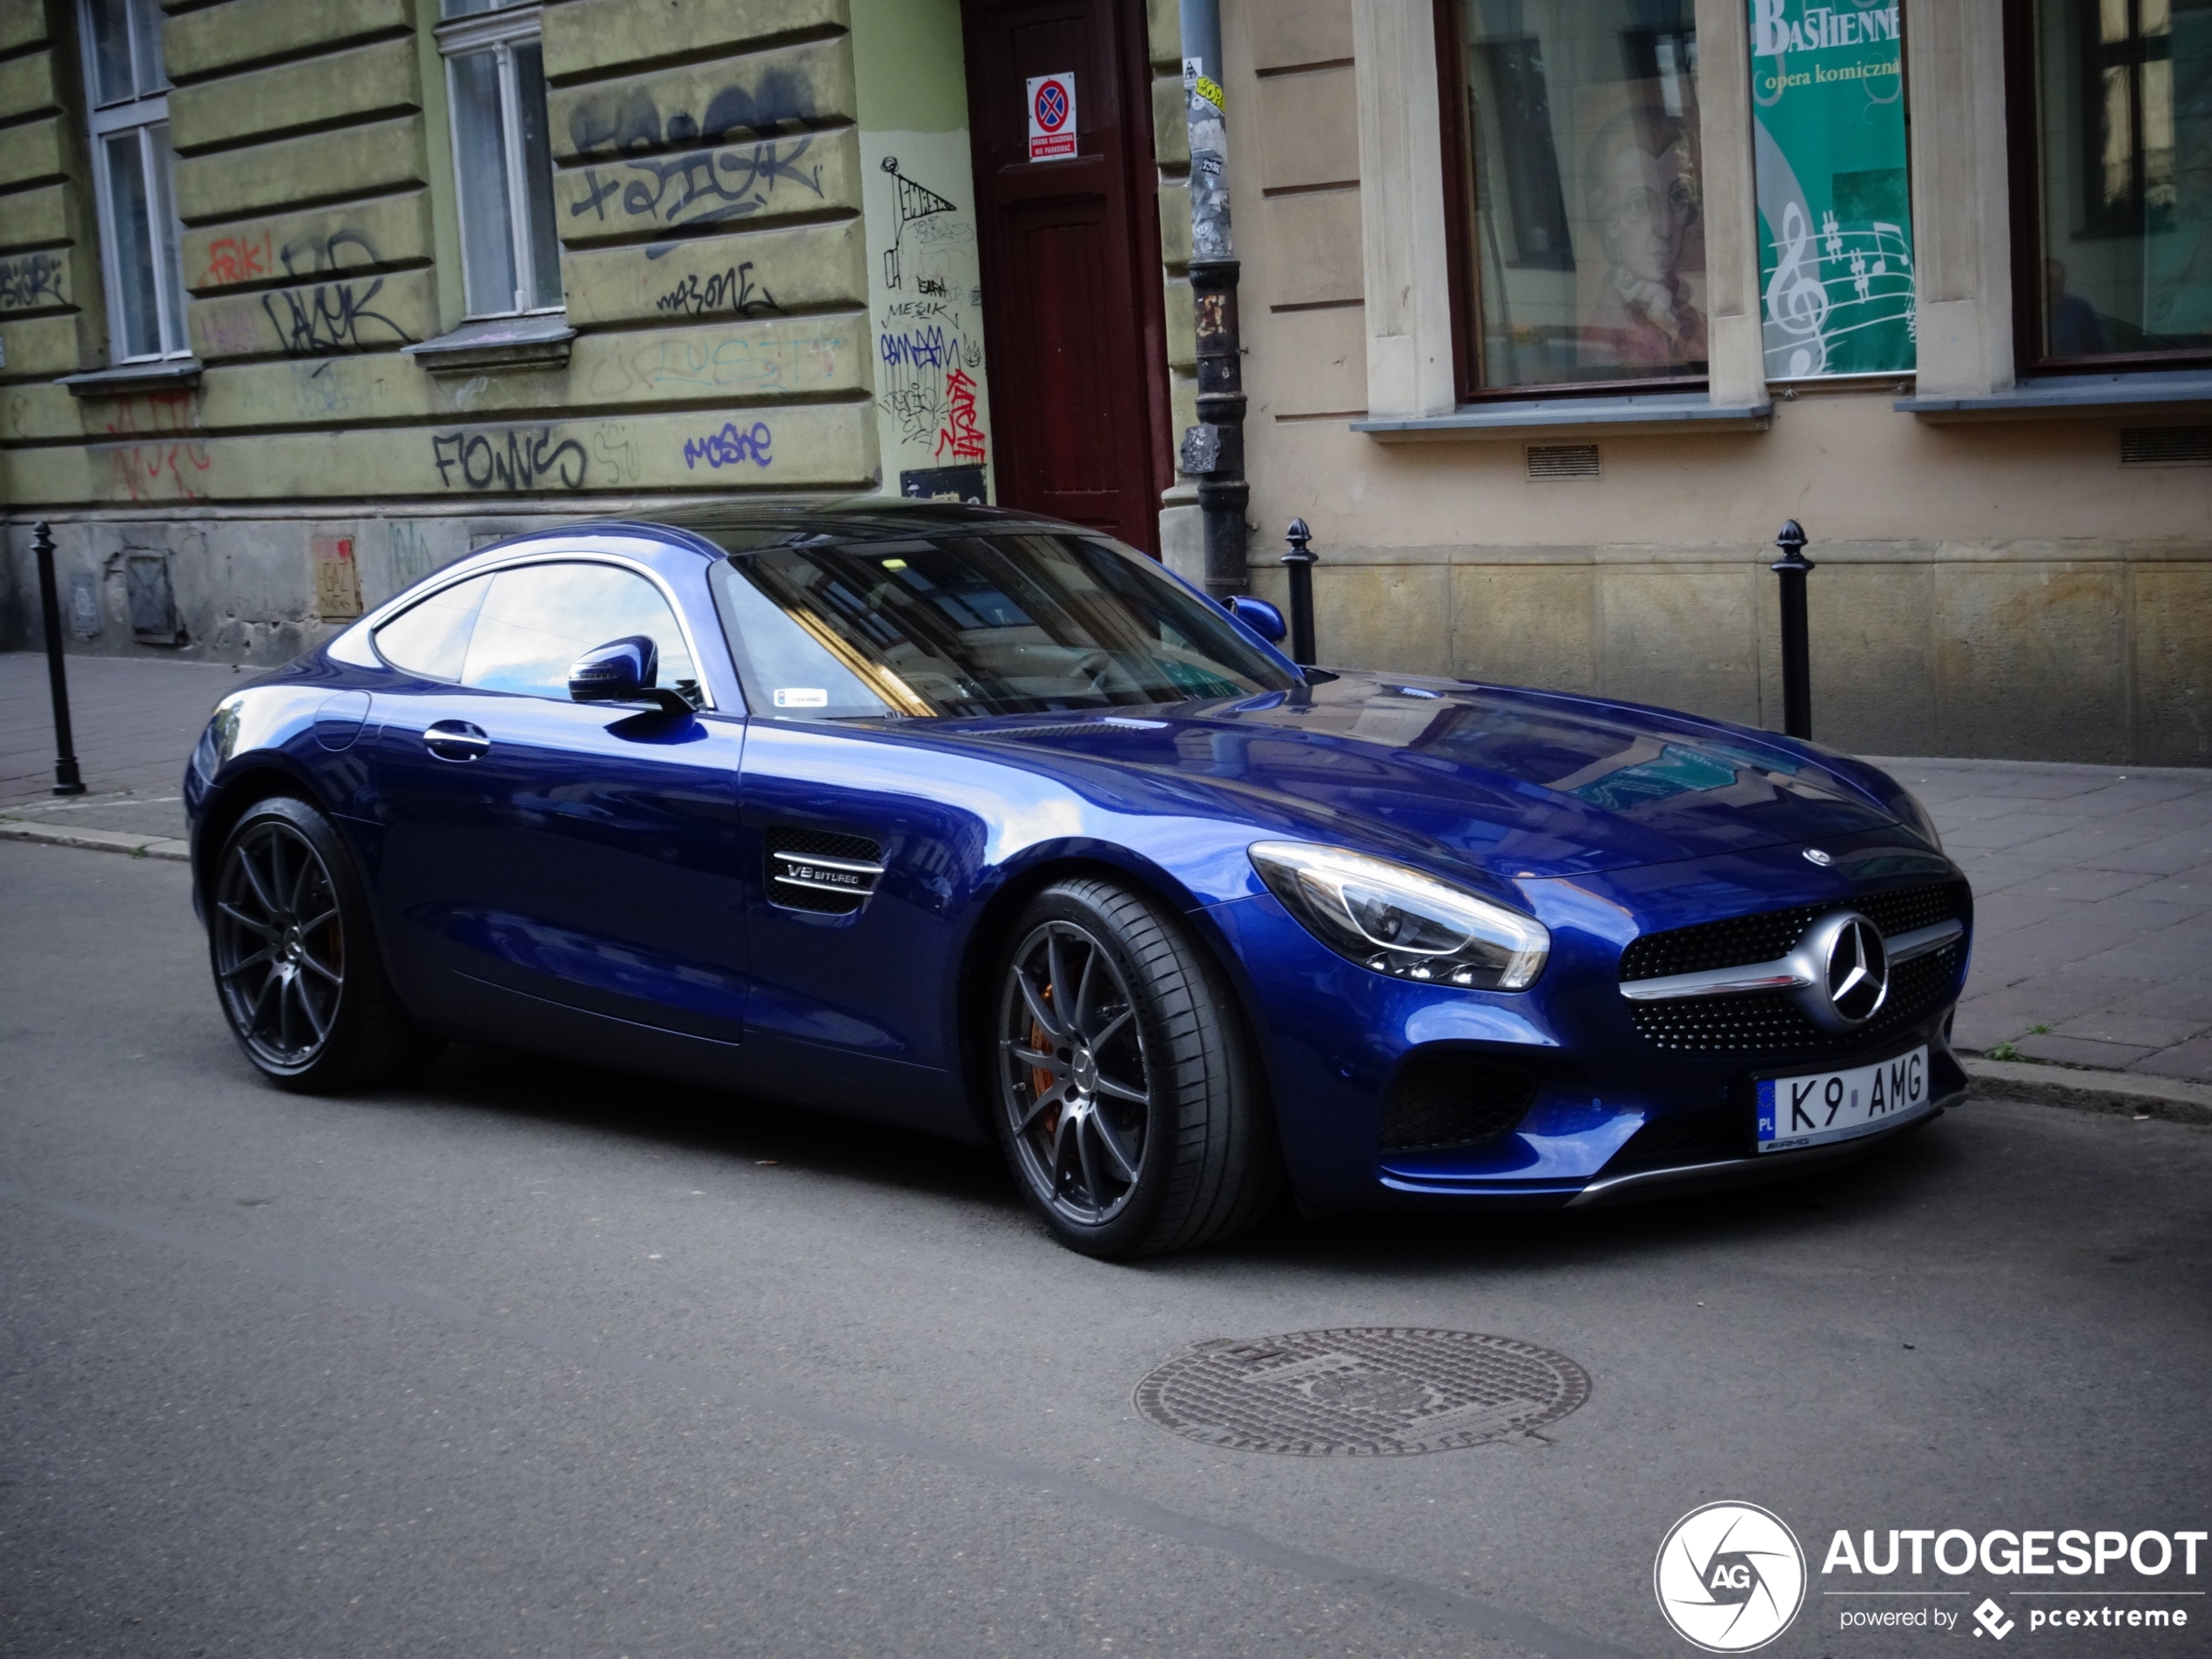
(801, 696)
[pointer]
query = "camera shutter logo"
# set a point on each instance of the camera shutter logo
(1729, 1577)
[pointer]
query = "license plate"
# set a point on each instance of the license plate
(1835, 1105)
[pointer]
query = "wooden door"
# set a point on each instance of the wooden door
(1072, 314)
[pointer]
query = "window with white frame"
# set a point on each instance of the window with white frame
(510, 254)
(127, 92)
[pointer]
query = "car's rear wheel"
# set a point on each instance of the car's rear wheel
(1129, 1102)
(296, 964)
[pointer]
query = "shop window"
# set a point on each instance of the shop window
(510, 252)
(2111, 105)
(128, 94)
(1571, 145)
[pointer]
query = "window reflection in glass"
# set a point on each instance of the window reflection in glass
(1588, 243)
(967, 625)
(432, 639)
(2124, 126)
(132, 249)
(487, 217)
(537, 619)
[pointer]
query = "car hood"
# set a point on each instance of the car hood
(1522, 783)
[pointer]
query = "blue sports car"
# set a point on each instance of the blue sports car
(988, 826)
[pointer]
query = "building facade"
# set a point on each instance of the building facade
(1551, 312)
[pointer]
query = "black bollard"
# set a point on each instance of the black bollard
(66, 781)
(1796, 654)
(1301, 559)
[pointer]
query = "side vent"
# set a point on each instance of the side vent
(815, 870)
(1547, 460)
(1454, 1099)
(2166, 446)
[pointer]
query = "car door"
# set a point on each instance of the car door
(541, 853)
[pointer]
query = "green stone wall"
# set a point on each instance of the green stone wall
(708, 195)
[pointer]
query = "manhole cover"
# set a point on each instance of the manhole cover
(1364, 1392)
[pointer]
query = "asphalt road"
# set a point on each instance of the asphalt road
(526, 1359)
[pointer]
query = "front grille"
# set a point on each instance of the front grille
(819, 844)
(1454, 1099)
(1771, 1022)
(1764, 937)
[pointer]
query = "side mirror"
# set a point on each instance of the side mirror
(1258, 615)
(622, 671)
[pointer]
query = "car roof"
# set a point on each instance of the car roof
(764, 521)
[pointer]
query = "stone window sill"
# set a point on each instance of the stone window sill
(154, 376)
(497, 343)
(2055, 396)
(1590, 416)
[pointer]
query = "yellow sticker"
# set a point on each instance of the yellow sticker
(1210, 90)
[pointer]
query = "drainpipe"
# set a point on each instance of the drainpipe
(1213, 450)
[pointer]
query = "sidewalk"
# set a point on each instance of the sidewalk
(2093, 884)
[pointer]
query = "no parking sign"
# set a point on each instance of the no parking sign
(1052, 117)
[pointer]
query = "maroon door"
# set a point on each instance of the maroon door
(1071, 265)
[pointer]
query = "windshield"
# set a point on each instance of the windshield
(967, 626)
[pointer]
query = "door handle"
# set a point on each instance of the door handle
(456, 740)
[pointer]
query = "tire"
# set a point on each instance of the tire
(293, 952)
(1123, 1088)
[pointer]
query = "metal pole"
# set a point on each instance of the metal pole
(1218, 440)
(66, 781)
(1213, 451)
(1796, 653)
(1301, 559)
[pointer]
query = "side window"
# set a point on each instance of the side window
(432, 639)
(131, 167)
(537, 619)
(503, 156)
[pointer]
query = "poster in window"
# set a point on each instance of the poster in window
(1640, 259)
(1835, 206)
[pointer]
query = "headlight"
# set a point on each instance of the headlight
(1915, 817)
(1400, 922)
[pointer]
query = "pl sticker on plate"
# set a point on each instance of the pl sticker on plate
(1836, 1105)
(801, 696)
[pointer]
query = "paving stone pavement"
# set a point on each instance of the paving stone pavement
(2092, 909)
(2093, 884)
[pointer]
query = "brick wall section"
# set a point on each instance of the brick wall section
(707, 193)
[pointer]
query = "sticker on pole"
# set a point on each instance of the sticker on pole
(1052, 117)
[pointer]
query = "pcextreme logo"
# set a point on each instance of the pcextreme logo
(1729, 1577)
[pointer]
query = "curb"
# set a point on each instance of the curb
(144, 847)
(2125, 1093)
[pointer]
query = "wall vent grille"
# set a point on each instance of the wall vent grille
(2166, 446)
(1562, 460)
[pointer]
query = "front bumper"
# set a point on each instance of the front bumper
(1674, 1181)
(1612, 1112)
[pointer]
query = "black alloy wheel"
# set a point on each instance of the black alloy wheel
(1128, 1103)
(296, 964)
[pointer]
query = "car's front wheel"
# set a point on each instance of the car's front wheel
(1127, 1101)
(296, 965)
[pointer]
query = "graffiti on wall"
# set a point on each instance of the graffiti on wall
(732, 289)
(928, 333)
(508, 458)
(915, 202)
(330, 317)
(700, 186)
(31, 279)
(731, 447)
(740, 362)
